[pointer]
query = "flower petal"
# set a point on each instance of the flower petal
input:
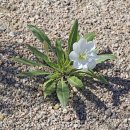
(76, 46)
(77, 65)
(73, 56)
(90, 46)
(82, 45)
(93, 55)
(85, 67)
(91, 64)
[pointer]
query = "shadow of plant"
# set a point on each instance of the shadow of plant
(8, 79)
(7, 72)
(80, 106)
(117, 92)
(103, 66)
(93, 98)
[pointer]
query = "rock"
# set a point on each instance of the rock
(36, 17)
(32, 19)
(108, 112)
(57, 106)
(125, 120)
(2, 117)
(75, 125)
(103, 127)
(115, 122)
(2, 28)
(114, 115)
(17, 85)
(65, 111)
(20, 41)
(52, 111)
(67, 117)
(12, 34)
(74, 89)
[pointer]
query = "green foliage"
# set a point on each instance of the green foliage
(26, 61)
(33, 73)
(90, 36)
(78, 36)
(59, 52)
(96, 76)
(74, 81)
(62, 75)
(54, 75)
(104, 57)
(73, 36)
(42, 57)
(40, 35)
(62, 92)
(49, 87)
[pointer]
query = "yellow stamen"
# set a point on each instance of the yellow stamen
(82, 56)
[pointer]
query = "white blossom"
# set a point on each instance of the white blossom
(83, 55)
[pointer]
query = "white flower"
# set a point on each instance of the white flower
(83, 55)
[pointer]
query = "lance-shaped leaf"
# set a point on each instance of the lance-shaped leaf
(90, 36)
(59, 52)
(49, 88)
(54, 66)
(78, 36)
(67, 60)
(102, 79)
(73, 36)
(76, 82)
(96, 76)
(40, 35)
(104, 57)
(38, 54)
(56, 75)
(26, 61)
(43, 57)
(37, 32)
(62, 92)
(33, 73)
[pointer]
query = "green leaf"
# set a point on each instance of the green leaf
(102, 79)
(33, 73)
(62, 92)
(58, 44)
(40, 35)
(59, 52)
(73, 36)
(38, 54)
(54, 76)
(67, 60)
(90, 36)
(54, 66)
(43, 57)
(49, 88)
(76, 82)
(37, 32)
(104, 57)
(26, 61)
(97, 76)
(78, 36)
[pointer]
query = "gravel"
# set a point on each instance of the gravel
(98, 107)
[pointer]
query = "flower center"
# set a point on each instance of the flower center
(82, 56)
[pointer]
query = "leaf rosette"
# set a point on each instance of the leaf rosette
(70, 64)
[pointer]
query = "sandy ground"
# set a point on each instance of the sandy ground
(98, 107)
